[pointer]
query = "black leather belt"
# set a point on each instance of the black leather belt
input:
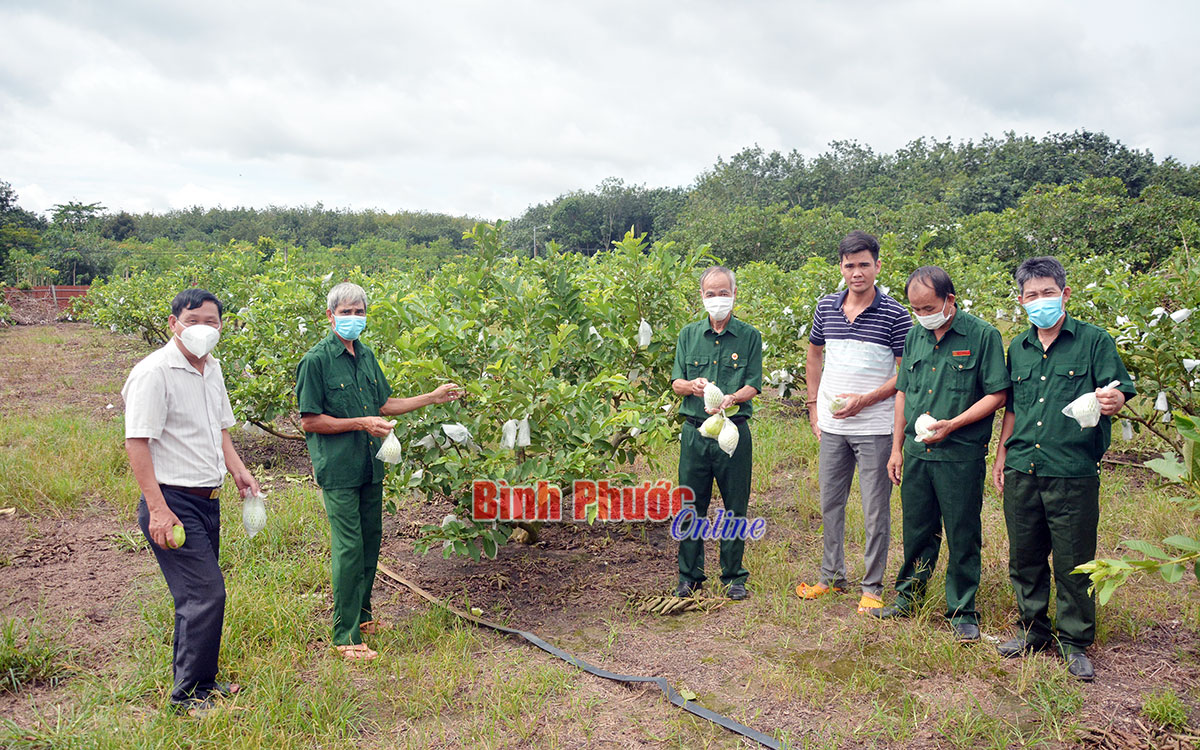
(736, 419)
(210, 492)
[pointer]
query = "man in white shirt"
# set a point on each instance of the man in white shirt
(177, 420)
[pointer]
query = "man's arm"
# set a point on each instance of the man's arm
(856, 402)
(984, 407)
(142, 465)
(813, 364)
(323, 424)
(245, 481)
(440, 395)
(895, 464)
(1006, 431)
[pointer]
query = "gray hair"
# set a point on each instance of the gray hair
(1044, 267)
(720, 269)
(343, 293)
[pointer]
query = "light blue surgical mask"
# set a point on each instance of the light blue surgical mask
(349, 326)
(1045, 312)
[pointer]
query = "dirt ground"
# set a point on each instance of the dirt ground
(570, 588)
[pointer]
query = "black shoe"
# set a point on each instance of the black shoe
(687, 588)
(1019, 647)
(737, 592)
(1080, 666)
(889, 612)
(966, 632)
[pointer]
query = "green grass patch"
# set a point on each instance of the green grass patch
(57, 463)
(30, 654)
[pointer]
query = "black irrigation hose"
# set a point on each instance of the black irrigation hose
(672, 695)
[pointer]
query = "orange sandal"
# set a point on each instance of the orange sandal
(806, 591)
(357, 652)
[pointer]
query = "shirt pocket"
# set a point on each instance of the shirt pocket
(731, 372)
(962, 373)
(1024, 391)
(1068, 381)
(339, 400)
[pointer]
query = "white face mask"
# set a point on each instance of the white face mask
(718, 307)
(935, 320)
(200, 339)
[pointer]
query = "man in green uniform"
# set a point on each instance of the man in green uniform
(723, 350)
(341, 392)
(1048, 467)
(953, 371)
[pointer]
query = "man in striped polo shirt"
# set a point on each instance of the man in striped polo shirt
(854, 348)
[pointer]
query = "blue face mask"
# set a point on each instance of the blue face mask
(349, 326)
(1045, 312)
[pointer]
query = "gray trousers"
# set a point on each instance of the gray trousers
(839, 455)
(198, 588)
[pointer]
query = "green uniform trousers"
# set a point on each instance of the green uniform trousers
(1052, 516)
(356, 528)
(936, 494)
(701, 460)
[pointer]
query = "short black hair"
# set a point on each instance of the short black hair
(190, 299)
(935, 276)
(1042, 267)
(856, 242)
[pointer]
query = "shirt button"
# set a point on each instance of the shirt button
(927, 450)
(1043, 377)
(935, 346)
(1039, 424)
(1072, 372)
(1037, 445)
(1044, 356)
(1041, 400)
(930, 390)
(934, 369)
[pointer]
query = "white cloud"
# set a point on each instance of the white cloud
(485, 108)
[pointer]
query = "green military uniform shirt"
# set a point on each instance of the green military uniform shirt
(731, 360)
(1045, 441)
(331, 381)
(944, 378)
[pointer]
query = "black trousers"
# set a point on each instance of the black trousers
(198, 588)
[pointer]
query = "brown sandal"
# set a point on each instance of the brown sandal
(374, 627)
(357, 652)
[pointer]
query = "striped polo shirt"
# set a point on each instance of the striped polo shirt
(859, 357)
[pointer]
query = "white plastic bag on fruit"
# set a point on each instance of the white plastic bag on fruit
(389, 452)
(728, 439)
(921, 427)
(254, 514)
(508, 439)
(644, 334)
(712, 426)
(523, 433)
(1086, 409)
(456, 432)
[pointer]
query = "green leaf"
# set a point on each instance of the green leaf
(472, 550)
(1146, 548)
(1105, 589)
(1171, 572)
(489, 546)
(687, 695)
(1169, 467)
(592, 512)
(1182, 542)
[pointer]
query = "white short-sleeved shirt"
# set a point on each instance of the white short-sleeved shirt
(182, 413)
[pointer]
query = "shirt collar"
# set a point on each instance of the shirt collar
(840, 297)
(176, 359)
(730, 327)
(1031, 336)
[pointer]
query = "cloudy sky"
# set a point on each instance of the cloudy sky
(484, 108)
